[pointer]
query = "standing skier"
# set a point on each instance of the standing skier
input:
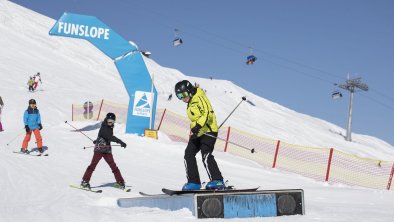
(204, 131)
(30, 83)
(1, 108)
(32, 120)
(103, 149)
(37, 78)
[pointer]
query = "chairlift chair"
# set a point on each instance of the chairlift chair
(177, 41)
(250, 59)
(336, 95)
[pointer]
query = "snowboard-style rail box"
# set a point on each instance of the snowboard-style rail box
(260, 203)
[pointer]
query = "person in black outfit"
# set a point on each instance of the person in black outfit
(103, 149)
(204, 131)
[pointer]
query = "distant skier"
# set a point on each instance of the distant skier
(103, 149)
(204, 132)
(1, 108)
(30, 83)
(32, 120)
(169, 97)
(37, 78)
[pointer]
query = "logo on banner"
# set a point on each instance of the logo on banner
(142, 103)
(83, 30)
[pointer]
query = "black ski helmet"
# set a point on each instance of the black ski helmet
(32, 101)
(110, 116)
(184, 86)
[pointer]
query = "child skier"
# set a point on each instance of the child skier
(32, 120)
(30, 83)
(37, 78)
(204, 132)
(102, 149)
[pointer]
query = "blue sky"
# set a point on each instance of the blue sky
(303, 47)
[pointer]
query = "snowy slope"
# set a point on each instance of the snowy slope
(73, 71)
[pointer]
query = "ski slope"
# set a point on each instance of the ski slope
(73, 71)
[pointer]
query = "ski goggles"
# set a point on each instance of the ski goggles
(182, 95)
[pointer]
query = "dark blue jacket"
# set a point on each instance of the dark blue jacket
(32, 118)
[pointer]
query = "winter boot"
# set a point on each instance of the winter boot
(25, 151)
(121, 185)
(215, 185)
(40, 150)
(85, 185)
(191, 186)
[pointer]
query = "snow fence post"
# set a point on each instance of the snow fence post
(390, 178)
(101, 106)
(227, 138)
(72, 112)
(329, 163)
(276, 154)
(162, 117)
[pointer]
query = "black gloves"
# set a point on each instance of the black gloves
(122, 144)
(40, 126)
(196, 129)
(94, 141)
(27, 128)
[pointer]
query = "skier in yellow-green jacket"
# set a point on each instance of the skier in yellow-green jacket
(204, 131)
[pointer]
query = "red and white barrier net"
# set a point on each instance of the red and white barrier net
(321, 164)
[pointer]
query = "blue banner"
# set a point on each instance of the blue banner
(140, 105)
(128, 61)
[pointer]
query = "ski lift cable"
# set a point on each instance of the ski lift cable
(377, 101)
(209, 40)
(382, 94)
(258, 50)
(242, 45)
(373, 99)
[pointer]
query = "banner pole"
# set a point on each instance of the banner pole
(152, 99)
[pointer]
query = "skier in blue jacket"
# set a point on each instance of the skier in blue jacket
(32, 121)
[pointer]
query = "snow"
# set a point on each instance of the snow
(73, 71)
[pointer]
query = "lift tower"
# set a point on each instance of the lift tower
(352, 85)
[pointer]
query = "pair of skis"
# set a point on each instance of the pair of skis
(202, 191)
(97, 191)
(174, 192)
(31, 154)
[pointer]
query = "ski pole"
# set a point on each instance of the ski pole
(14, 138)
(78, 130)
(243, 99)
(86, 147)
(235, 144)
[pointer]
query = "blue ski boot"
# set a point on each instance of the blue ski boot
(215, 185)
(191, 186)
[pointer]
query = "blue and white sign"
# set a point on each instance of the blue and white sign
(128, 61)
(142, 103)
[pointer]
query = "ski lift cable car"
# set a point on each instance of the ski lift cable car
(177, 41)
(336, 94)
(251, 58)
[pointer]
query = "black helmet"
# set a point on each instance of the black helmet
(110, 116)
(32, 101)
(184, 88)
